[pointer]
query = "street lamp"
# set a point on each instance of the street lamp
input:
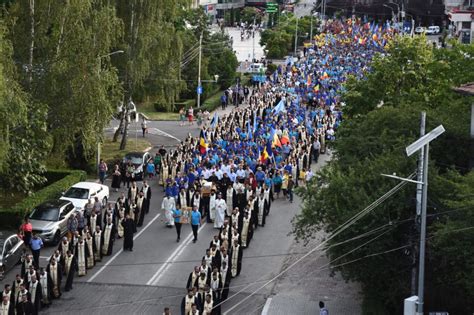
(422, 145)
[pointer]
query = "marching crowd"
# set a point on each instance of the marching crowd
(229, 175)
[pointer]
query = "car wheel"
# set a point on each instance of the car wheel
(104, 202)
(57, 238)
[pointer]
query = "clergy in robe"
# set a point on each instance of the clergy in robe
(94, 220)
(226, 277)
(108, 238)
(208, 292)
(132, 192)
(183, 199)
(46, 288)
(236, 259)
(267, 193)
(22, 293)
(216, 284)
(193, 277)
(129, 228)
(146, 190)
(261, 205)
(187, 302)
(24, 306)
(220, 211)
(168, 205)
(55, 272)
(63, 247)
(212, 207)
(16, 287)
(90, 244)
(246, 231)
(7, 307)
(81, 252)
(202, 281)
(230, 197)
(26, 262)
(197, 202)
(215, 241)
(36, 294)
(140, 211)
(207, 306)
(70, 267)
(235, 218)
(98, 239)
(8, 293)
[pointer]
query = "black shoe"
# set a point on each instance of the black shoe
(194, 241)
(177, 240)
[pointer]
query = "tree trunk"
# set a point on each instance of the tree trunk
(120, 127)
(123, 143)
(32, 43)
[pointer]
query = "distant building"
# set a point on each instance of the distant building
(461, 15)
(226, 5)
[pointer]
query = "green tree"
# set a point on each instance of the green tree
(382, 118)
(151, 46)
(24, 142)
(250, 15)
(58, 51)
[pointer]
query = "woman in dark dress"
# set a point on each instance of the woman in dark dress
(116, 178)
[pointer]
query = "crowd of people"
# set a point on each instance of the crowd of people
(91, 233)
(229, 175)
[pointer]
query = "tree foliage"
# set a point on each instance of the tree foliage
(280, 40)
(382, 118)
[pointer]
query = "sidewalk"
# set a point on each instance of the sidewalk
(299, 290)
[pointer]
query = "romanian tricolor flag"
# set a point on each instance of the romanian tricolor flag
(203, 145)
(276, 141)
(264, 156)
(285, 138)
(316, 88)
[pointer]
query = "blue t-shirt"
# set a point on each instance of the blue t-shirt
(178, 214)
(195, 218)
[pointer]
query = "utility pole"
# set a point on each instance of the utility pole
(199, 89)
(419, 195)
(296, 35)
(253, 40)
(421, 268)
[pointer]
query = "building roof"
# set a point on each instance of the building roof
(466, 89)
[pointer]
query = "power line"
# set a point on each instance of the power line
(336, 232)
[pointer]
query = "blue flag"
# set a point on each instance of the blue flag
(214, 120)
(280, 107)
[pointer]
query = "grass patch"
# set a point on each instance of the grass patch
(149, 110)
(110, 150)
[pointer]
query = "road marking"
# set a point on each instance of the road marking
(121, 249)
(174, 255)
(162, 133)
(266, 308)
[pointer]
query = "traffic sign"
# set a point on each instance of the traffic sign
(272, 7)
(199, 90)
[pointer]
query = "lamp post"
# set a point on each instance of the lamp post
(422, 145)
(99, 58)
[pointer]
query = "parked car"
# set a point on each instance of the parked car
(139, 161)
(420, 30)
(79, 193)
(11, 250)
(49, 219)
(433, 30)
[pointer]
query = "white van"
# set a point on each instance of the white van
(432, 30)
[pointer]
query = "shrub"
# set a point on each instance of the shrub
(11, 217)
(160, 107)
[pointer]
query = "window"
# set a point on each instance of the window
(8, 246)
(14, 240)
(466, 25)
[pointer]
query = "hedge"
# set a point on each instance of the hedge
(12, 217)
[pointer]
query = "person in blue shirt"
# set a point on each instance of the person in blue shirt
(177, 213)
(36, 243)
(260, 176)
(195, 222)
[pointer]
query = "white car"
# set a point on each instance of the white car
(420, 30)
(257, 68)
(81, 192)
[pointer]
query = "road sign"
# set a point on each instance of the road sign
(272, 7)
(199, 90)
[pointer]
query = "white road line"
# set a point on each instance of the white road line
(266, 308)
(165, 134)
(121, 249)
(174, 256)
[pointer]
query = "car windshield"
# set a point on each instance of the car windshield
(135, 159)
(77, 193)
(45, 214)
